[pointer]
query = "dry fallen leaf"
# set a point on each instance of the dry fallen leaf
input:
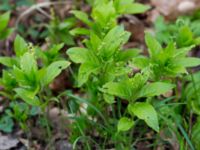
(7, 142)
(173, 8)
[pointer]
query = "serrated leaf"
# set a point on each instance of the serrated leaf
(128, 89)
(124, 124)
(141, 62)
(155, 89)
(146, 112)
(103, 13)
(53, 70)
(112, 42)
(153, 45)
(185, 37)
(20, 46)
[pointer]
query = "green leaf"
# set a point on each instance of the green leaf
(115, 38)
(5, 33)
(53, 70)
(141, 62)
(128, 54)
(54, 50)
(95, 41)
(110, 99)
(8, 61)
(128, 89)
(79, 31)
(146, 112)
(197, 41)
(181, 52)
(121, 89)
(188, 62)
(6, 124)
(195, 133)
(20, 77)
(84, 72)
(185, 37)
(28, 96)
(8, 81)
(28, 65)
(104, 13)
(82, 16)
(4, 19)
(134, 8)
(153, 45)
(155, 89)
(20, 46)
(124, 124)
(78, 54)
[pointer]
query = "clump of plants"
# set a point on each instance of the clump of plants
(25, 79)
(184, 31)
(119, 94)
(113, 87)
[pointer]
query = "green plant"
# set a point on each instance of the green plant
(191, 94)
(121, 97)
(184, 32)
(59, 31)
(20, 112)
(50, 55)
(162, 64)
(104, 15)
(103, 59)
(5, 32)
(6, 123)
(165, 62)
(106, 71)
(195, 133)
(24, 79)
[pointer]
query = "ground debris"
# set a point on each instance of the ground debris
(7, 142)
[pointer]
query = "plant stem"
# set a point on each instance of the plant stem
(48, 129)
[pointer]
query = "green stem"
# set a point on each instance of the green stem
(195, 88)
(47, 124)
(45, 115)
(119, 107)
(113, 110)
